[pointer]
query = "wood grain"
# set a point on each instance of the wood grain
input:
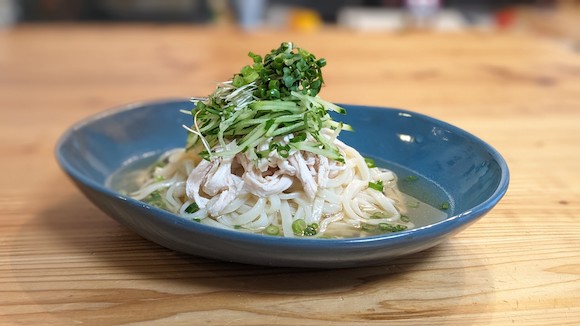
(63, 262)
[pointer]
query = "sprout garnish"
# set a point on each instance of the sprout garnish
(274, 101)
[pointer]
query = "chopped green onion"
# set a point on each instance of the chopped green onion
(272, 230)
(378, 186)
(380, 215)
(298, 226)
(405, 218)
(298, 138)
(411, 178)
(368, 227)
(156, 199)
(310, 231)
(192, 208)
(283, 151)
(370, 162)
(391, 228)
(445, 206)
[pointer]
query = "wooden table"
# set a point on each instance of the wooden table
(63, 262)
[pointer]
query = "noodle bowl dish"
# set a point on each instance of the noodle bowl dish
(265, 171)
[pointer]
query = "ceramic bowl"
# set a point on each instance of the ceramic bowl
(470, 174)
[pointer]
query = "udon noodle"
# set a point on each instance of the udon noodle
(345, 201)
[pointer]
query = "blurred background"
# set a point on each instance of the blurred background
(558, 18)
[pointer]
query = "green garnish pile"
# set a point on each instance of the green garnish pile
(271, 105)
(281, 72)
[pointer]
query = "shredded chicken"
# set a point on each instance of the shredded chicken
(215, 179)
(323, 170)
(261, 183)
(304, 174)
(194, 181)
(216, 183)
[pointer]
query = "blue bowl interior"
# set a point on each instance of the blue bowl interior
(471, 174)
(464, 167)
(98, 146)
